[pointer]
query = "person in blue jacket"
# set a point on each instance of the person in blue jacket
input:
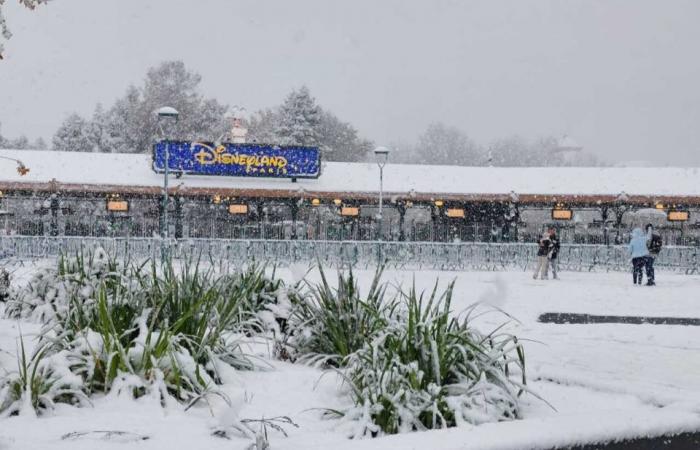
(639, 252)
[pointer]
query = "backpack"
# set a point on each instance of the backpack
(655, 244)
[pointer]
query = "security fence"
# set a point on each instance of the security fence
(399, 255)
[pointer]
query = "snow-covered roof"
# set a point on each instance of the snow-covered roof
(110, 169)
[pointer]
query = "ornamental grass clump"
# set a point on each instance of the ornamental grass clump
(39, 383)
(329, 324)
(429, 369)
(140, 329)
(50, 289)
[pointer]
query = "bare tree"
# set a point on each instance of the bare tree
(5, 33)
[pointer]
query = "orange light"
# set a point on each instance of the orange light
(659, 206)
(562, 214)
(238, 209)
(117, 205)
(315, 202)
(350, 211)
(439, 203)
(455, 212)
(337, 201)
(678, 216)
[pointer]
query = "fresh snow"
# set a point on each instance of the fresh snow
(604, 381)
(119, 169)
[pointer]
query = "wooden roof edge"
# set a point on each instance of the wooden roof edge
(54, 186)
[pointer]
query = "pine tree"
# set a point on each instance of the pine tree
(73, 135)
(340, 140)
(298, 119)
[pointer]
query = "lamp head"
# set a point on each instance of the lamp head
(166, 112)
(381, 154)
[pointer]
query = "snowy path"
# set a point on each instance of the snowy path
(604, 380)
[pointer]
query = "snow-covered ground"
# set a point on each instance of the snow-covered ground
(602, 381)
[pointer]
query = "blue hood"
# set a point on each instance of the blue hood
(638, 244)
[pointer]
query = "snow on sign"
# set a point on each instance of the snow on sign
(246, 160)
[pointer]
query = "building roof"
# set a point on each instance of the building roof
(98, 172)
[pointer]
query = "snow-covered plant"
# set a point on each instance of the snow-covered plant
(4, 284)
(40, 382)
(429, 369)
(330, 324)
(146, 329)
(51, 289)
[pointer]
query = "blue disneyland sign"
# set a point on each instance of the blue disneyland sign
(243, 160)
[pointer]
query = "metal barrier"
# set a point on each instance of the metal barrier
(400, 255)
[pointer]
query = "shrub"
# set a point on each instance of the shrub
(38, 384)
(328, 324)
(142, 329)
(427, 369)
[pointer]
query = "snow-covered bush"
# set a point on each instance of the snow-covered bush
(429, 369)
(39, 383)
(144, 329)
(4, 284)
(50, 290)
(329, 324)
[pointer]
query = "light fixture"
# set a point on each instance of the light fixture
(559, 213)
(337, 202)
(678, 216)
(216, 199)
(350, 211)
(238, 209)
(116, 205)
(659, 206)
(456, 213)
(439, 203)
(315, 202)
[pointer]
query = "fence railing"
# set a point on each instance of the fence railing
(401, 255)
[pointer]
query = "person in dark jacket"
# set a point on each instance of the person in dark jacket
(542, 266)
(654, 244)
(553, 252)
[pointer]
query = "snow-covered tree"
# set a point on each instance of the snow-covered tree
(442, 144)
(39, 144)
(262, 126)
(511, 152)
(340, 140)
(131, 126)
(299, 119)
(4, 30)
(98, 129)
(74, 135)
(22, 143)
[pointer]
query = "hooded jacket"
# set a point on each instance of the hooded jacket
(638, 244)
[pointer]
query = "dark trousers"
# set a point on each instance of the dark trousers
(649, 266)
(637, 266)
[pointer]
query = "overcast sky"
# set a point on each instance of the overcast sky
(621, 77)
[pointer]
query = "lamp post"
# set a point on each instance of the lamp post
(165, 113)
(382, 156)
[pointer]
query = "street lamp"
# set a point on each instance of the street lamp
(165, 113)
(382, 156)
